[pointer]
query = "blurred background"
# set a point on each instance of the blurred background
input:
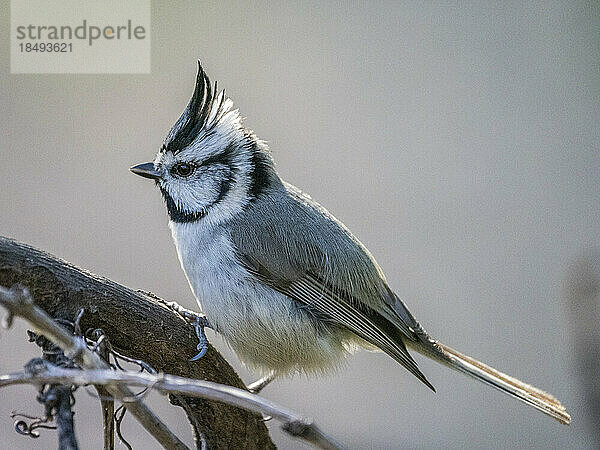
(460, 143)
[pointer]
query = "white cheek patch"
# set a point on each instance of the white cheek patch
(194, 194)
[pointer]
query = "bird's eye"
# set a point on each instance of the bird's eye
(183, 169)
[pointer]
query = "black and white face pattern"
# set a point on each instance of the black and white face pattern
(208, 174)
(208, 163)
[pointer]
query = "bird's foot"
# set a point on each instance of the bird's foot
(260, 384)
(187, 314)
(200, 323)
(198, 320)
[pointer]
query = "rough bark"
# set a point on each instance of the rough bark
(141, 328)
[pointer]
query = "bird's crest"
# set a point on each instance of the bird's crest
(203, 113)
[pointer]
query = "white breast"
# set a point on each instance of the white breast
(266, 329)
(208, 260)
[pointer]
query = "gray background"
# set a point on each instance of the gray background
(460, 143)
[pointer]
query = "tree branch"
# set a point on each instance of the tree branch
(19, 303)
(293, 423)
(139, 327)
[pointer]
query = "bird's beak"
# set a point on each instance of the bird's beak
(146, 170)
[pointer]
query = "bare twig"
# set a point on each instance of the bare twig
(119, 415)
(64, 418)
(106, 402)
(108, 417)
(260, 384)
(19, 303)
(58, 400)
(293, 423)
(29, 429)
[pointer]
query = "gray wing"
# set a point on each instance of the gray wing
(293, 245)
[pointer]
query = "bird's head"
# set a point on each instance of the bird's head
(209, 164)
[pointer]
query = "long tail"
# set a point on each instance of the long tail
(533, 396)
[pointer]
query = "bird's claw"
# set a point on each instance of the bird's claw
(200, 322)
(202, 346)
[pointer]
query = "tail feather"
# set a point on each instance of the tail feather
(531, 395)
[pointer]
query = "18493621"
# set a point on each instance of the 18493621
(48, 47)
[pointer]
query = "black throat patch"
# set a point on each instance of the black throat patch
(175, 213)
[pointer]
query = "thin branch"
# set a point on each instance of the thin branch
(293, 423)
(108, 418)
(57, 399)
(64, 419)
(119, 414)
(19, 303)
(106, 401)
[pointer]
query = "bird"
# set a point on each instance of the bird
(286, 284)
